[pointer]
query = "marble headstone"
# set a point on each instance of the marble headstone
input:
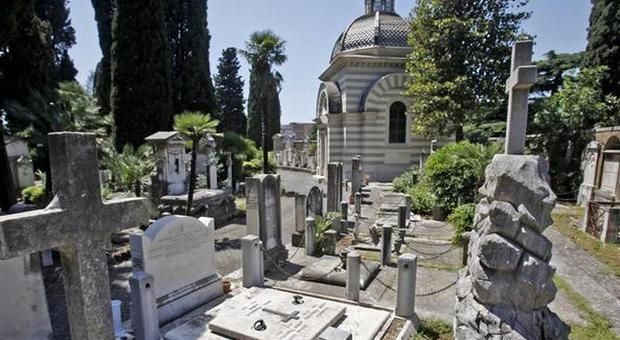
(179, 252)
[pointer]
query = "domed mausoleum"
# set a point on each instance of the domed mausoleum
(361, 104)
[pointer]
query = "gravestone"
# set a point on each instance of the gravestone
(314, 203)
(508, 283)
(590, 161)
(179, 252)
(263, 215)
(77, 224)
(282, 317)
(334, 186)
(24, 315)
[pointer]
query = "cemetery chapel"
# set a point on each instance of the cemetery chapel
(361, 105)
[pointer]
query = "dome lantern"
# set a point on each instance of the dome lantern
(386, 6)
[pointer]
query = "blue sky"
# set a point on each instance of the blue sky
(311, 27)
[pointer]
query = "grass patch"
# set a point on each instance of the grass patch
(597, 327)
(434, 329)
(439, 266)
(606, 253)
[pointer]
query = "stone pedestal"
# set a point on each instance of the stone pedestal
(405, 299)
(310, 239)
(386, 245)
(507, 285)
(143, 306)
(252, 262)
(354, 260)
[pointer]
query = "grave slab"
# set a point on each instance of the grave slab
(363, 323)
(328, 269)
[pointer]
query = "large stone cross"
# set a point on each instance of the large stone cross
(78, 224)
(523, 76)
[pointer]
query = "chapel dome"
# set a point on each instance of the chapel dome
(374, 30)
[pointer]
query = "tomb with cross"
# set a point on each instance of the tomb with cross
(522, 77)
(78, 224)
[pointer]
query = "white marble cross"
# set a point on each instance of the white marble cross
(78, 224)
(523, 76)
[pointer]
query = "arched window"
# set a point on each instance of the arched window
(398, 123)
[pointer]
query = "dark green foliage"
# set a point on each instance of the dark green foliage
(263, 51)
(460, 59)
(141, 76)
(480, 133)
(434, 329)
(27, 86)
(11, 16)
(56, 14)
(229, 93)
(422, 200)
(462, 218)
(189, 41)
(407, 180)
(552, 69)
(456, 171)
(104, 14)
(564, 126)
(604, 43)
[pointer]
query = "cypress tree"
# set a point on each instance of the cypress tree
(229, 93)
(104, 14)
(275, 110)
(56, 14)
(141, 89)
(189, 40)
(604, 43)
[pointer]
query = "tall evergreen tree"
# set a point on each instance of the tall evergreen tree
(141, 78)
(28, 94)
(460, 59)
(104, 14)
(263, 51)
(56, 14)
(189, 39)
(604, 43)
(229, 93)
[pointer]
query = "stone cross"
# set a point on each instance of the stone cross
(523, 76)
(78, 224)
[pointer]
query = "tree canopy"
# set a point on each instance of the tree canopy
(604, 43)
(460, 60)
(229, 93)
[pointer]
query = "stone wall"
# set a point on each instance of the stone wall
(300, 181)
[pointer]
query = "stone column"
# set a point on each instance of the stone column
(402, 217)
(344, 217)
(386, 245)
(310, 236)
(229, 165)
(508, 279)
(143, 306)
(354, 261)
(405, 299)
(300, 213)
(212, 177)
(358, 203)
(408, 203)
(252, 261)
(333, 187)
(356, 178)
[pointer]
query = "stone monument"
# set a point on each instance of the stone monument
(179, 252)
(264, 217)
(77, 224)
(507, 285)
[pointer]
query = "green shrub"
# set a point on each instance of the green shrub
(456, 171)
(406, 181)
(34, 195)
(422, 200)
(462, 218)
(323, 224)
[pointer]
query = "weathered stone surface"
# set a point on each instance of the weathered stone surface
(506, 287)
(499, 253)
(535, 243)
(521, 180)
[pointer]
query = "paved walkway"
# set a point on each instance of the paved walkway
(587, 276)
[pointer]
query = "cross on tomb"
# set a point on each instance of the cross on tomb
(78, 224)
(286, 317)
(523, 75)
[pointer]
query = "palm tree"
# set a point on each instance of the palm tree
(132, 167)
(194, 126)
(263, 51)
